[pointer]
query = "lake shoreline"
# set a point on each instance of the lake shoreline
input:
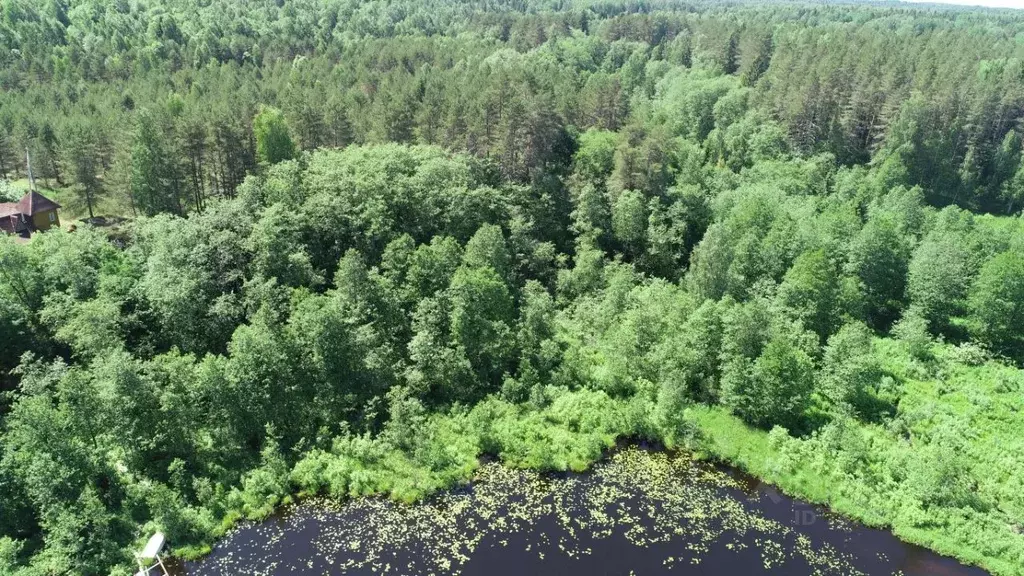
(746, 482)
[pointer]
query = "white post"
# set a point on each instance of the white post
(28, 165)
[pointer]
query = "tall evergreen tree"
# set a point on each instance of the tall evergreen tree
(80, 161)
(156, 182)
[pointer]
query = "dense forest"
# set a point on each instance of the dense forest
(368, 242)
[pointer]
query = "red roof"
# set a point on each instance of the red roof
(8, 209)
(34, 202)
(15, 217)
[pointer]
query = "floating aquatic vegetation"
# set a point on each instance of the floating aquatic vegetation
(650, 498)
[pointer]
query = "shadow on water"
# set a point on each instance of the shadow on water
(638, 512)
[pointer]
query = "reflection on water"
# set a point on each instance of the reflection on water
(638, 512)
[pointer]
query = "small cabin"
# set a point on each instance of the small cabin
(33, 213)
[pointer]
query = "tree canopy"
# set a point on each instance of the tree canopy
(369, 242)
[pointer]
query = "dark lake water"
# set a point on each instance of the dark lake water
(638, 512)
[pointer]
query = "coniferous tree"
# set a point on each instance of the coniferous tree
(155, 181)
(79, 159)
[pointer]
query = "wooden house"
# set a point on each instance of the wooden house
(33, 213)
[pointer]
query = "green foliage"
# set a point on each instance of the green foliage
(629, 220)
(997, 304)
(9, 551)
(277, 249)
(809, 293)
(696, 94)
(673, 224)
(595, 155)
(849, 370)
(879, 259)
(155, 180)
(939, 277)
(772, 389)
(9, 193)
(273, 142)
(78, 157)
(263, 487)
(481, 322)
(912, 331)
(568, 434)
(487, 249)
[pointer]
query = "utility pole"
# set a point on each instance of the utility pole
(28, 165)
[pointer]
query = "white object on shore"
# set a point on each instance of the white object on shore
(149, 553)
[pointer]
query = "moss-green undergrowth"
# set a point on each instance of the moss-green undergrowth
(879, 474)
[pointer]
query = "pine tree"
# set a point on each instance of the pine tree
(78, 155)
(155, 178)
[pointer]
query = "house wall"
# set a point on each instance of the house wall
(41, 220)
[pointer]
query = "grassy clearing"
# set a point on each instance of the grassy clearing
(71, 208)
(944, 473)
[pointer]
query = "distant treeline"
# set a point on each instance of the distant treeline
(934, 96)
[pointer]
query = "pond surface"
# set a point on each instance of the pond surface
(638, 512)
